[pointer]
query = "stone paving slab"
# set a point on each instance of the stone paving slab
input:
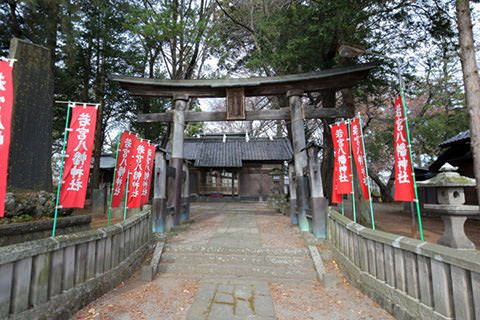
(232, 300)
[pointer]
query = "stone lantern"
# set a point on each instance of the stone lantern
(451, 205)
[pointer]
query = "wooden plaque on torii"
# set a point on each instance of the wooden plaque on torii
(235, 103)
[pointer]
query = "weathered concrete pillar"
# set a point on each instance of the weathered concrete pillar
(180, 103)
(186, 194)
(300, 155)
(159, 203)
(319, 202)
(293, 194)
(29, 165)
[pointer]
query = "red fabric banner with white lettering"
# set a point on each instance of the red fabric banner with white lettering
(137, 170)
(359, 155)
(6, 104)
(123, 164)
(79, 151)
(336, 197)
(403, 167)
(147, 177)
(343, 174)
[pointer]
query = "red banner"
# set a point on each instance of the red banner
(359, 155)
(342, 159)
(336, 197)
(123, 164)
(79, 151)
(403, 167)
(147, 177)
(137, 170)
(6, 104)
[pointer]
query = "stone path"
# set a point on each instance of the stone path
(231, 266)
(236, 261)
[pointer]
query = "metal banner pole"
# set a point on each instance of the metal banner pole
(126, 197)
(63, 156)
(114, 176)
(351, 172)
(411, 161)
(366, 169)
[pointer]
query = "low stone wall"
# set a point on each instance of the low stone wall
(409, 278)
(12, 233)
(52, 278)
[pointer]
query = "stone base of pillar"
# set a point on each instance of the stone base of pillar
(159, 207)
(185, 209)
(293, 211)
(454, 235)
(319, 219)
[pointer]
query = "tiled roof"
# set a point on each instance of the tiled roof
(213, 152)
(461, 137)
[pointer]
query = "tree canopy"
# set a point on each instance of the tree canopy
(192, 39)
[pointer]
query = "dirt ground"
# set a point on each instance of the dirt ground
(135, 299)
(390, 217)
(271, 226)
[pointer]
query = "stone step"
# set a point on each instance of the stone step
(235, 271)
(237, 279)
(255, 260)
(199, 249)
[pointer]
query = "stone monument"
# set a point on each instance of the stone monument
(451, 206)
(29, 165)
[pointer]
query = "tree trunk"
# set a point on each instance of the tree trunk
(15, 26)
(328, 99)
(385, 189)
(362, 206)
(52, 19)
(471, 82)
(98, 140)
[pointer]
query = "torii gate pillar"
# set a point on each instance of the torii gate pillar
(300, 155)
(180, 103)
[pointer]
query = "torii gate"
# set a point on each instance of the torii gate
(235, 90)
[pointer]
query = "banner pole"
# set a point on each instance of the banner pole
(62, 162)
(411, 161)
(343, 208)
(126, 197)
(351, 172)
(113, 182)
(366, 169)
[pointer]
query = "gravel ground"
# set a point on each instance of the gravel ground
(276, 231)
(163, 298)
(313, 302)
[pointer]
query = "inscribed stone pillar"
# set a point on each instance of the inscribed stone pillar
(300, 155)
(180, 103)
(159, 203)
(29, 165)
